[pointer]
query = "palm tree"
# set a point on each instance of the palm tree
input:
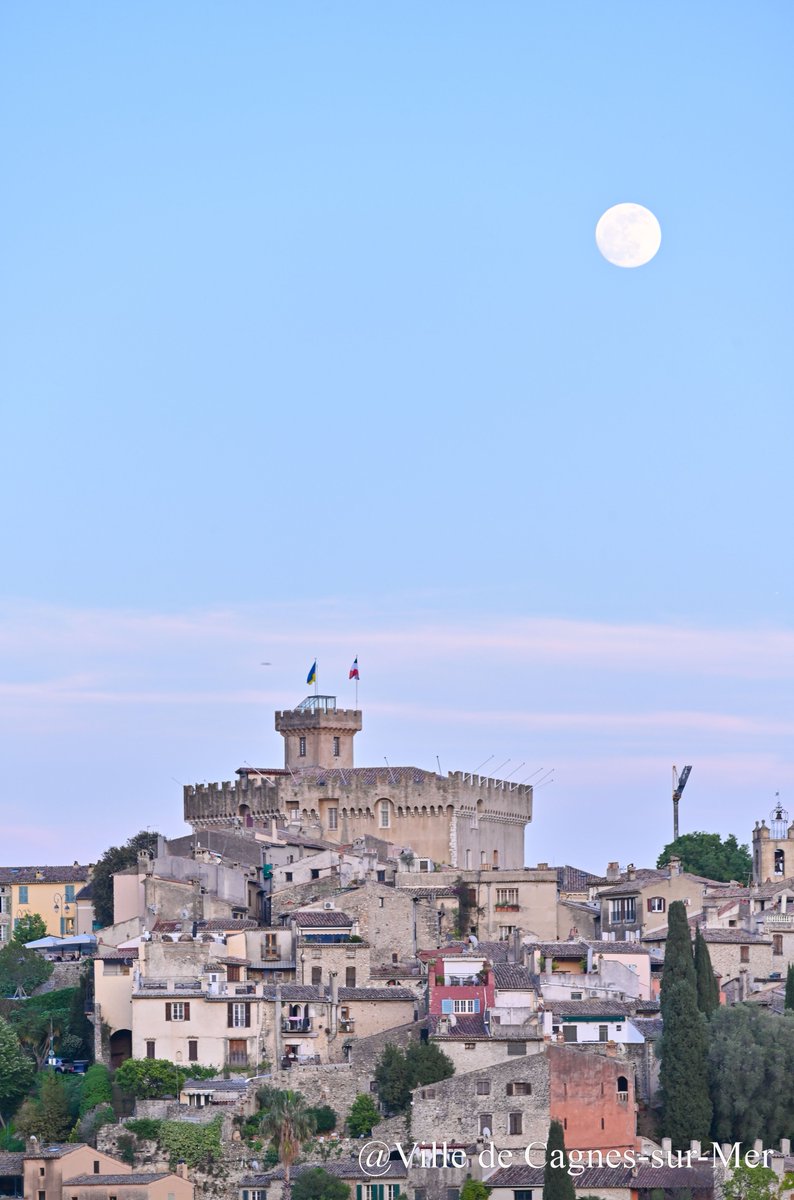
(287, 1120)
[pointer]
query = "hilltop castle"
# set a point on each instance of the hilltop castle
(461, 819)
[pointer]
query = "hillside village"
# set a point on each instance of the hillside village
(322, 919)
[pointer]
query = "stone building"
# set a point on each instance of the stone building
(461, 819)
(638, 903)
(773, 847)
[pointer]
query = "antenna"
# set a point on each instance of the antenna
(477, 770)
(518, 768)
(504, 764)
(391, 773)
(438, 764)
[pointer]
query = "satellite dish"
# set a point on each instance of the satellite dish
(473, 939)
(486, 1132)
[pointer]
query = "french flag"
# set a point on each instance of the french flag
(354, 670)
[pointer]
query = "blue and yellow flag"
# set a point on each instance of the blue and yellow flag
(312, 676)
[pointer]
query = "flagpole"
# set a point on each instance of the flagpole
(315, 676)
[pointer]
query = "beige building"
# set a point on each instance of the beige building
(79, 1172)
(47, 892)
(637, 904)
(462, 819)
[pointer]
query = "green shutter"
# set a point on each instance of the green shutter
(358, 1191)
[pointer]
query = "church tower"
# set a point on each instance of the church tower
(773, 847)
(318, 734)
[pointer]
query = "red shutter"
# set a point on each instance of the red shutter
(230, 1015)
(187, 1011)
(168, 1012)
(649, 905)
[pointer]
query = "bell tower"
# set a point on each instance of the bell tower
(318, 734)
(773, 846)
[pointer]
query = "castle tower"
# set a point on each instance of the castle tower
(773, 847)
(318, 734)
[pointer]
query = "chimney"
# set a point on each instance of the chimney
(334, 988)
(694, 1148)
(667, 1146)
(674, 866)
(613, 870)
(758, 1146)
(785, 1147)
(181, 1169)
(630, 871)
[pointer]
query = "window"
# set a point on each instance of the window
(522, 1194)
(302, 747)
(514, 1123)
(469, 1045)
(232, 975)
(623, 911)
(315, 873)
(96, 1166)
(428, 1093)
(333, 818)
(603, 1033)
(151, 1050)
(516, 1048)
(777, 943)
(623, 1088)
(570, 1033)
(3, 933)
(507, 896)
(486, 1124)
(5, 903)
(381, 904)
(68, 893)
(505, 932)
(518, 1087)
(350, 977)
(336, 747)
(238, 1016)
(42, 1171)
(23, 893)
(465, 1006)
(177, 1010)
(288, 876)
(385, 817)
(483, 1087)
(192, 1051)
(657, 904)
(317, 976)
(453, 1193)
(780, 863)
(744, 953)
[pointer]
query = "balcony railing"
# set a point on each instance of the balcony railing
(296, 1025)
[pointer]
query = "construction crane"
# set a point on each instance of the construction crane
(679, 783)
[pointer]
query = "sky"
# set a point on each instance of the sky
(307, 350)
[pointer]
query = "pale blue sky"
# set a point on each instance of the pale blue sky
(307, 348)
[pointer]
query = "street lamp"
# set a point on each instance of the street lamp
(57, 902)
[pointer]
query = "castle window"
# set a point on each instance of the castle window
(780, 862)
(302, 747)
(333, 818)
(623, 1088)
(385, 816)
(336, 747)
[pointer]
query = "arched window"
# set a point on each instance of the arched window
(623, 1087)
(780, 862)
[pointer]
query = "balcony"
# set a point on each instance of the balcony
(507, 907)
(297, 1025)
(459, 981)
(347, 1025)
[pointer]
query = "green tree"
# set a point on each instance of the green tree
(363, 1115)
(393, 1080)
(557, 1182)
(54, 1100)
(751, 1183)
(475, 1189)
(150, 1078)
(317, 1184)
(751, 1065)
(29, 929)
(289, 1123)
(708, 855)
(22, 968)
(96, 1088)
(397, 1072)
(686, 1105)
(789, 1001)
(707, 987)
(35, 1018)
(116, 858)
(16, 1071)
(324, 1118)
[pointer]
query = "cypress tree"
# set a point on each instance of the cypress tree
(557, 1182)
(686, 1104)
(789, 1001)
(707, 986)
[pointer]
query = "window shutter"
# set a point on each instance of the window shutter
(247, 1016)
(649, 906)
(509, 1089)
(358, 1191)
(446, 1006)
(230, 1015)
(476, 1006)
(168, 1012)
(187, 1011)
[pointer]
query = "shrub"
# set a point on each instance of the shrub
(146, 1128)
(126, 1144)
(363, 1115)
(96, 1088)
(324, 1118)
(197, 1145)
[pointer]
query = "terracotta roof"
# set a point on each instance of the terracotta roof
(646, 1006)
(11, 1163)
(649, 1027)
(573, 879)
(70, 874)
(212, 925)
(376, 993)
(349, 1168)
(602, 947)
(423, 893)
(56, 1150)
(320, 918)
(509, 977)
(563, 950)
(216, 1085)
(134, 1179)
(589, 1008)
(643, 1178)
(735, 936)
(467, 1027)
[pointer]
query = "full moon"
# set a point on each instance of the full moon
(628, 235)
